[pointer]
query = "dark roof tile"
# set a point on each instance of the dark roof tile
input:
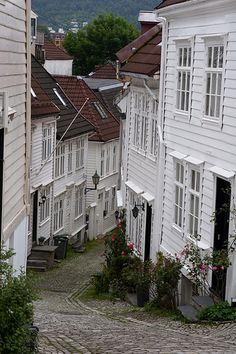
(166, 3)
(52, 52)
(106, 71)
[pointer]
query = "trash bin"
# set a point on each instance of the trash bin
(61, 241)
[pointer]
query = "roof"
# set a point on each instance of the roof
(52, 90)
(143, 55)
(77, 90)
(106, 71)
(95, 84)
(52, 52)
(108, 96)
(166, 3)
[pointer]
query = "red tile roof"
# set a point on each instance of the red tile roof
(52, 52)
(106, 71)
(77, 90)
(143, 55)
(67, 111)
(166, 3)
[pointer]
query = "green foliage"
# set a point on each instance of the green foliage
(98, 42)
(16, 308)
(166, 275)
(218, 312)
(101, 281)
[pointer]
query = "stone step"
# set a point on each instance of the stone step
(36, 263)
(189, 312)
(200, 302)
(36, 269)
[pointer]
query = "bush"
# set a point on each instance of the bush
(218, 312)
(101, 281)
(16, 308)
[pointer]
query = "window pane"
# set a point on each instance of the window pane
(197, 181)
(180, 56)
(185, 57)
(189, 56)
(210, 57)
(193, 179)
(213, 83)
(221, 57)
(191, 203)
(215, 57)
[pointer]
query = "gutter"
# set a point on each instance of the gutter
(1, 178)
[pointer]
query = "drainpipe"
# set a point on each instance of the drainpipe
(1, 178)
(161, 154)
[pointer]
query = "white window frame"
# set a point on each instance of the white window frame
(179, 186)
(60, 161)
(45, 205)
(154, 137)
(108, 158)
(70, 157)
(102, 163)
(184, 69)
(79, 201)
(196, 195)
(47, 139)
(113, 198)
(79, 153)
(58, 223)
(107, 203)
(213, 42)
(114, 158)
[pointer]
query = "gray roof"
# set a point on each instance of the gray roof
(95, 84)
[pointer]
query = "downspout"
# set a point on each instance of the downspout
(161, 154)
(1, 179)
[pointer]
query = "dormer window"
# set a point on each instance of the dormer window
(100, 110)
(59, 96)
(33, 94)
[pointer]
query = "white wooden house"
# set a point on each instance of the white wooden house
(14, 127)
(59, 156)
(199, 108)
(57, 61)
(140, 65)
(103, 154)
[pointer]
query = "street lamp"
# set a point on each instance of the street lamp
(135, 210)
(95, 179)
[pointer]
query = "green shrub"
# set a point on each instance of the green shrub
(16, 308)
(101, 281)
(218, 312)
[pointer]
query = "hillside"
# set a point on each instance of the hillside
(58, 13)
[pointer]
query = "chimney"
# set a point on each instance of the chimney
(147, 20)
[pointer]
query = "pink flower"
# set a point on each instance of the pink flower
(203, 267)
(122, 253)
(130, 246)
(213, 268)
(113, 238)
(222, 267)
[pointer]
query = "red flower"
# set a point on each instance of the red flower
(130, 246)
(113, 238)
(122, 253)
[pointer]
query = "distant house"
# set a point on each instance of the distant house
(103, 154)
(59, 157)
(15, 127)
(141, 141)
(57, 61)
(105, 71)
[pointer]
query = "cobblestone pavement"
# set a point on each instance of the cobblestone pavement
(70, 324)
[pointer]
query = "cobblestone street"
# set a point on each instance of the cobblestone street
(70, 324)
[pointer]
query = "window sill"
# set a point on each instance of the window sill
(78, 217)
(139, 151)
(79, 168)
(200, 244)
(43, 161)
(42, 223)
(58, 230)
(177, 230)
(181, 115)
(69, 173)
(59, 177)
(211, 122)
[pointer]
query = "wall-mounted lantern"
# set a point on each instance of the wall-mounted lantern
(135, 210)
(95, 179)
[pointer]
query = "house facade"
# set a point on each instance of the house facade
(15, 127)
(103, 155)
(57, 61)
(199, 128)
(140, 67)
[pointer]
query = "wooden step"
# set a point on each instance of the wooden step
(36, 269)
(36, 263)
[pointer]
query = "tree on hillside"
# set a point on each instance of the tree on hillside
(98, 42)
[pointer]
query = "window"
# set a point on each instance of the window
(59, 96)
(108, 161)
(144, 122)
(45, 204)
(79, 153)
(184, 78)
(179, 195)
(102, 162)
(113, 198)
(60, 161)
(106, 208)
(214, 72)
(114, 158)
(79, 201)
(59, 214)
(154, 137)
(100, 110)
(194, 207)
(46, 142)
(70, 157)
(136, 130)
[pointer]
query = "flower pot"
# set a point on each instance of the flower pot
(142, 295)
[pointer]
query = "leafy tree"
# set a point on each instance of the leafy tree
(98, 42)
(16, 308)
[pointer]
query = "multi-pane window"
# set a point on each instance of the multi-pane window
(59, 214)
(114, 158)
(184, 78)
(45, 204)
(107, 160)
(79, 200)
(194, 205)
(179, 195)
(79, 153)
(214, 72)
(154, 137)
(46, 142)
(102, 162)
(70, 157)
(60, 161)
(106, 205)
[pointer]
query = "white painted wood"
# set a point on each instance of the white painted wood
(59, 67)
